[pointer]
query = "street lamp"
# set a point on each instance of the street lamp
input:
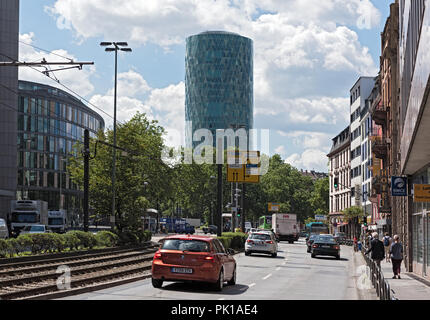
(116, 47)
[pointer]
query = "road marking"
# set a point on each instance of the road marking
(268, 276)
(221, 299)
(278, 268)
(285, 262)
(251, 285)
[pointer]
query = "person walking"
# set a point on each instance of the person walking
(377, 249)
(396, 252)
(387, 245)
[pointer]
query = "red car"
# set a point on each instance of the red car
(193, 258)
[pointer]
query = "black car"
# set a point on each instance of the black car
(325, 245)
(211, 229)
(310, 240)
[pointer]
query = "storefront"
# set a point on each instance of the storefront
(421, 229)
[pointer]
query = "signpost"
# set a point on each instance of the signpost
(399, 186)
(246, 168)
(274, 207)
(421, 192)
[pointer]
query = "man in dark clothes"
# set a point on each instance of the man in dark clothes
(377, 249)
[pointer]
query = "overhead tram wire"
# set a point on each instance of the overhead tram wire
(64, 86)
(67, 135)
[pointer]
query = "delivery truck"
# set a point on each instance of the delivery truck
(286, 227)
(26, 213)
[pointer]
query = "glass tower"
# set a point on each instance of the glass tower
(218, 83)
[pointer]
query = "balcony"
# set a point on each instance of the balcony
(379, 114)
(379, 146)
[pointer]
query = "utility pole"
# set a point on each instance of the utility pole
(86, 176)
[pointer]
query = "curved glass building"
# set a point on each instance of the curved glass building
(50, 122)
(218, 82)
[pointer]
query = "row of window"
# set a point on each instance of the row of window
(356, 134)
(45, 179)
(355, 115)
(38, 160)
(45, 143)
(355, 95)
(52, 109)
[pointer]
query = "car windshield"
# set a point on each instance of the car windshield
(260, 236)
(313, 236)
(340, 234)
(186, 245)
(34, 228)
(22, 217)
(55, 221)
(325, 239)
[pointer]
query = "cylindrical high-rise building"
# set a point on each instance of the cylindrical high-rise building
(218, 82)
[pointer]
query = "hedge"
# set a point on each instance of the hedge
(233, 240)
(73, 240)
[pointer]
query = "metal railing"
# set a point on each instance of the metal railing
(382, 287)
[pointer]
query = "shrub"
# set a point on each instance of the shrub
(25, 243)
(128, 237)
(226, 241)
(14, 246)
(58, 242)
(85, 239)
(237, 239)
(71, 240)
(107, 239)
(4, 248)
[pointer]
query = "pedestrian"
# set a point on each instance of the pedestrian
(355, 244)
(359, 245)
(396, 252)
(387, 245)
(377, 249)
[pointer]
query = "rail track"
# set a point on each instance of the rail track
(37, 279)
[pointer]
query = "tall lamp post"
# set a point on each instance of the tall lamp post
(116, 46)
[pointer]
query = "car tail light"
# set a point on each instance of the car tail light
(157, 255)
(209, 258)
(315, 246)
(337, 247)
(269, 241)
(249, 241)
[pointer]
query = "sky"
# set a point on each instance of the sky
(307, 56)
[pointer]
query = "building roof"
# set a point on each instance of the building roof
(341, 141)
(314, 175)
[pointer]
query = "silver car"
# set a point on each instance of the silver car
(261, 242)
(35, 228)
(4, 232)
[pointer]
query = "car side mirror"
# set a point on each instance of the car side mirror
(230, 251)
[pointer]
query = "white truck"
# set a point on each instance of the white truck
(194, 222)
(26, 213)
(285, 226)
(57, 221)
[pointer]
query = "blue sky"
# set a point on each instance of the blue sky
(308, 54)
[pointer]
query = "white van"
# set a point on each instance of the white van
(4, 232)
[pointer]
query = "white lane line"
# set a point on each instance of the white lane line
(221, 299)
(268, 276)
(251, 285)
(278, 268)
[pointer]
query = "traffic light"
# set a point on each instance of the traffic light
(336, 183)
(239, 211)
(365, 221)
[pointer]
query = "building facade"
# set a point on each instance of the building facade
(9, 27)
(414, 133)
(50, 122)
(339, 170)
(218, 83)
(358, 99)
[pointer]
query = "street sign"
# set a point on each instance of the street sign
(246, 168)
(399, 186)
(319, 217)
(274, 207)
(421, 192)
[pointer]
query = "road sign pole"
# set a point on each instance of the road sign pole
(219, 201)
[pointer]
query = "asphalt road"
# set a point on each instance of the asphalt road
(292, 275)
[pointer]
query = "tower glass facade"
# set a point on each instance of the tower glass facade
(218, 82)
(50, 122)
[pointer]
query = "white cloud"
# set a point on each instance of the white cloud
(310, 159)
(77, 80)
(281, 150)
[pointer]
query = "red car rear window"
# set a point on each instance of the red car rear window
(186, 245)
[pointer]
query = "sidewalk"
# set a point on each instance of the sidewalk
(406, 288)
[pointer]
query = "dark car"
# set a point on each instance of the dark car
(325, 245)
(211, 229)
(340, 237)
(310, 240)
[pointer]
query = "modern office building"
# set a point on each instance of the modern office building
(414, 124)
(9, 27)
(339, 168)
(218, 83)
(358, 99)
(50, 122)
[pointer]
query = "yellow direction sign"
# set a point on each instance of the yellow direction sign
(273, 207)
(246, 167)
(421, 192)
(252, 168)
(235, 172)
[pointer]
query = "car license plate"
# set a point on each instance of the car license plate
(326, 247)
(182, 270)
